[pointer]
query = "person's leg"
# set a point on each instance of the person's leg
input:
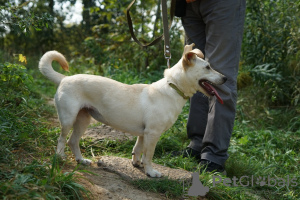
(197, 121)
(195, 33)
(217, 27)
(224, 29)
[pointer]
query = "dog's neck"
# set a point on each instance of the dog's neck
(172, 85)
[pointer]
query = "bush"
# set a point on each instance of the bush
(13, 88)
(271, 47)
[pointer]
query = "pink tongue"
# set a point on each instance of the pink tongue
(214, 92)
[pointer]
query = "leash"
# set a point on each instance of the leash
(166, 27)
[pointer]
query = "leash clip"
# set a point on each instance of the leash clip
(167, 55)
(168, 62)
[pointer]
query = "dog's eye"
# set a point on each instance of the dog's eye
(207, 67)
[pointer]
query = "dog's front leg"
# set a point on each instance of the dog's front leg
(137, 152)
(150, 140)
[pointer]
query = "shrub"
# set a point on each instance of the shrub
(271, 48)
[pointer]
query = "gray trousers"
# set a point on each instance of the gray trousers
(216, 27)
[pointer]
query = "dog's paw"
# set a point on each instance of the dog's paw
(153, 173)
(84, 161)
(137, 164)
(61, 155)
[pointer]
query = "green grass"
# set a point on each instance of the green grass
(40, 181)
(171, 188)
(265, 142)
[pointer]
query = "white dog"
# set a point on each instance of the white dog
(140, 109)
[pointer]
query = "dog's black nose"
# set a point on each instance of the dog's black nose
(224, 79)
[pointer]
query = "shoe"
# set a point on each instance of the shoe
(188, 152)
(208, 166)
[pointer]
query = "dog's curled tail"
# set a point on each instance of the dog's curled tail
(45, 66)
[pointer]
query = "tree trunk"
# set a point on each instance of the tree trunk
(50, 30)
(157, 17)
(86, 18)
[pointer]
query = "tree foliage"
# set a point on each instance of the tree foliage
(270, 51)
(19, 20)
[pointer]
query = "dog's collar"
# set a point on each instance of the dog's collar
(178, 91)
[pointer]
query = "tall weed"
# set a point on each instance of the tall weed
(23, 133)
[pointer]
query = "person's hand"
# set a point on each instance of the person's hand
(190, 1)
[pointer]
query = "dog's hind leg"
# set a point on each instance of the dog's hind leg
(150, 140)
(66, 114)
(79, 127)
(137, 151)
(62, 140)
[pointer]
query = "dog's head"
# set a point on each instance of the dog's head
(199, 73)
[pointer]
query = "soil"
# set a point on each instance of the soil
(105, 185)
(106, 132)
(111, 176)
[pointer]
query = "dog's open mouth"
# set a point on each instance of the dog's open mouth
(207, 86)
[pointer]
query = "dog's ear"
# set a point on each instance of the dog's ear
(188, 48)
(187, 60)
(198, 53)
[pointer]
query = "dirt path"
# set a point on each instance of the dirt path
(112, 175)
(109, 185)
